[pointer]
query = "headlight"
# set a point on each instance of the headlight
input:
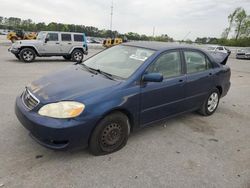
(64, 109)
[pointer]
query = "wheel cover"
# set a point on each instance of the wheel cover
(111, 137)
(212, 102)
(78, 56)
(28, 55)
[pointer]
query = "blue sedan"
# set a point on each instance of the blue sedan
(100, 101)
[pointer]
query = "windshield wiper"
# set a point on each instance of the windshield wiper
(92, 70)
(88, 68)
(110, 76)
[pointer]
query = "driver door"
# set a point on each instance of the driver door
(52, 44)
(162, 99)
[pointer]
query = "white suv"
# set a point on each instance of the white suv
(222, 49)
(72, 46)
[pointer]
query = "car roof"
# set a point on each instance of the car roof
(61, 32)
(157, 46)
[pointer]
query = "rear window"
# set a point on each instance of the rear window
(78, 38)
(66, 37)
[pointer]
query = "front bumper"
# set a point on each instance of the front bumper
(14, 50)
(54, 133)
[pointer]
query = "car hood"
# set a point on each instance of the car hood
(28, 42)
(68, 84)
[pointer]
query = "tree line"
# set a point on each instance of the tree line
(13, 23)
(236, 34)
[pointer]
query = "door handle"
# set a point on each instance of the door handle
(181, 80)
(57, 43)
(69, 43)
(210, 74)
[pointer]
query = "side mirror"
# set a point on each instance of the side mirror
(152, 77)
(46, 40)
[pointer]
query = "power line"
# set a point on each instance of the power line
(111, 15)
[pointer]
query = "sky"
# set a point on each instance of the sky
(177, 18)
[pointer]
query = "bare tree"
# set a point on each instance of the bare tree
(240, 17)
(231, 19)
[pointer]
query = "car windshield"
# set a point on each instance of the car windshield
(120, 61)
(41, 36)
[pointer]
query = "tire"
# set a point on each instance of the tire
(110, 135)
(67, 57)
(77, 55)
(211, 103)
(17, 56)
(27, 55)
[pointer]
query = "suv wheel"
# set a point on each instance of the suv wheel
(67, 57)
(211, 103)
(27, 55)
(110, 135)
(77, 55)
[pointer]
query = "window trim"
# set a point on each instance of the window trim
(197, 51)
(163, 53)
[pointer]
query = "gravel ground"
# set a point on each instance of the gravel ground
(187, 151)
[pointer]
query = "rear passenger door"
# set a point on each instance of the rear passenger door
(200, 77)
(66, 43)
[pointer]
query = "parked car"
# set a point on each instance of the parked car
(71, 46)
(222, 49)
(243, 54)
(127, 87)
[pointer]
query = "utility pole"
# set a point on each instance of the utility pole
(111, 15)
(154, 31)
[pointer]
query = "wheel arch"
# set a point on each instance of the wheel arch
(129, 115)
(126, 112)
(220, 89)
(76, 48)
(31, 47)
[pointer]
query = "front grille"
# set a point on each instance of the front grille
(29, 100)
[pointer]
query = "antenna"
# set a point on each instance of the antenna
(111, 15)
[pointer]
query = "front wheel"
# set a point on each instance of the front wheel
(211, 103)
(27, 55)
(77, 56)
(110, 135)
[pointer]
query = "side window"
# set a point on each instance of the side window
(78, 38)
(196, 62)
(169, 64)
(66, 37)
(52, 36)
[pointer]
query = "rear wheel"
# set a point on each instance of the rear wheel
(27, 55)
(77, 55)
(211, 103)
(110, 135)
